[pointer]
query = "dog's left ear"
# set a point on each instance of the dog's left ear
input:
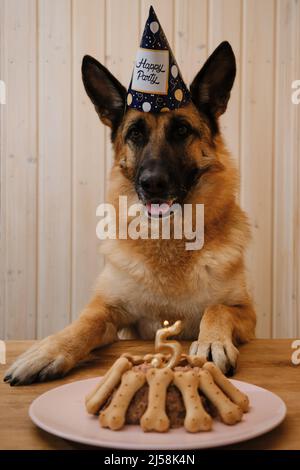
(211, 87)
(105, 91)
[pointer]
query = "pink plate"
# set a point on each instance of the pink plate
(61, 411)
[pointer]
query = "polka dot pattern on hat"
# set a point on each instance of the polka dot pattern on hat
(146, 106)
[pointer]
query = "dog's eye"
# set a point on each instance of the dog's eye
(135, 135)
(183, 131)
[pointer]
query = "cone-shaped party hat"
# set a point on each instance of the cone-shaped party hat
(156, 84)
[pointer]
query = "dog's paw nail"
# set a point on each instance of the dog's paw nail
(14, 382)
(193, 348)
(230, 371)
(7, 378)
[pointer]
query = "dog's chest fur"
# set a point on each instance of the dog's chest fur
(172, 288)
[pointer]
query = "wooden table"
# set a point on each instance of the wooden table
(266, 363)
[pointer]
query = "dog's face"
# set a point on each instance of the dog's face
(164, 155)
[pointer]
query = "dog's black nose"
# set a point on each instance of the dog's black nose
(154, 182)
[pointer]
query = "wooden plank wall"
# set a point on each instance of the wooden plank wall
(55, 156)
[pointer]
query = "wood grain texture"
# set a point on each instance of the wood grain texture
(265, 363)
(286, 252)
(88, 153)
(122, 40)
(256, 161)
(55, 166)
(296, 151)
(18, 170)
(225, 24)
(3, 131)
(190, 36)
(56, 155)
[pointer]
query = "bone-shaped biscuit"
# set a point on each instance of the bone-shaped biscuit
(196, 418)
(113, 416)
(238, 397)
(155, 417)
(134, 359)
(161, 357)
(195, 361)
(97, 397)
(229, 412)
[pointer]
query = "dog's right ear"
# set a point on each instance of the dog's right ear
(211, 87)
(105, 91)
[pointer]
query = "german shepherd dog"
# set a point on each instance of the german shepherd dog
(177, 156)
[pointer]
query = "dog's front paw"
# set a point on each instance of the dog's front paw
(223, 353)
(44, 361)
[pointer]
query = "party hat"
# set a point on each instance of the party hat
(156, 84)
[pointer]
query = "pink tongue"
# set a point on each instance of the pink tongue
(157, 209)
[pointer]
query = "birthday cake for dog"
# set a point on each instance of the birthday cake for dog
(162, 391)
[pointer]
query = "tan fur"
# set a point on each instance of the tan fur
(145, 282)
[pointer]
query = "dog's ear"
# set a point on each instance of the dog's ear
(105, 91)
(211, 87)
